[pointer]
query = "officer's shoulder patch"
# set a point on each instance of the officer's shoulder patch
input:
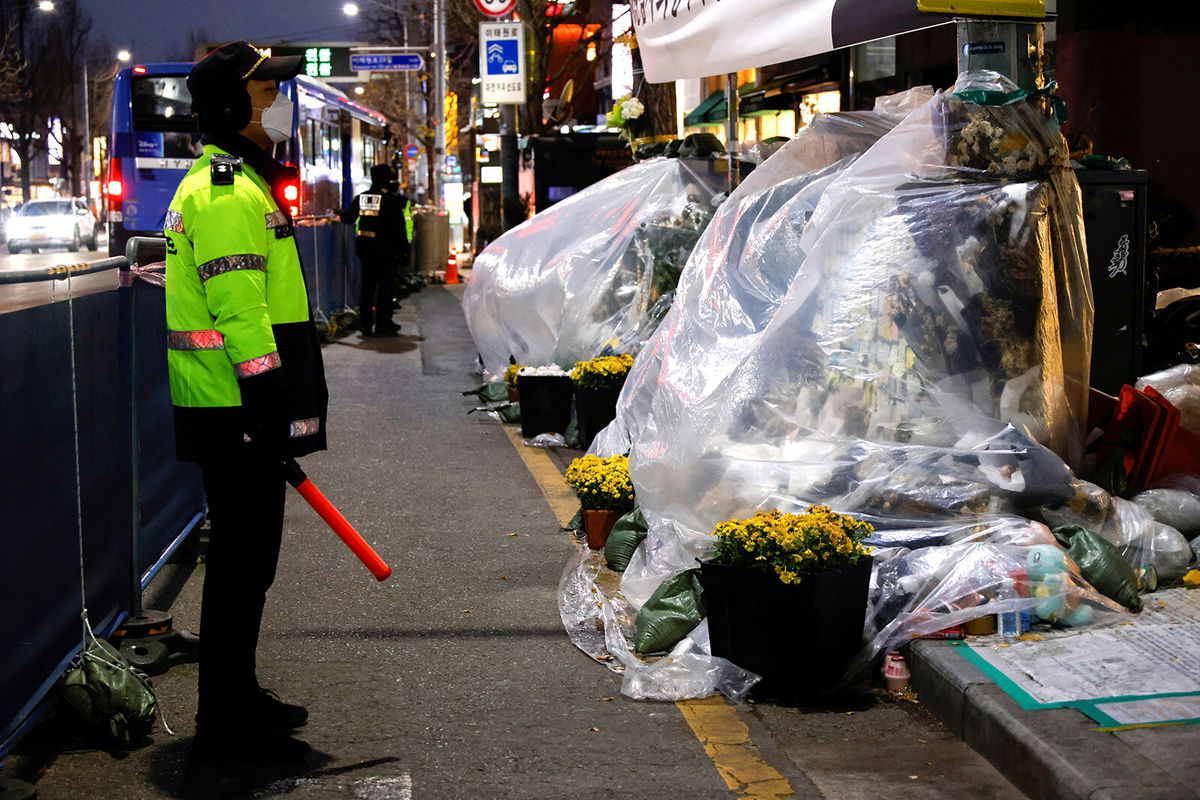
(223, 168)
(173, 222)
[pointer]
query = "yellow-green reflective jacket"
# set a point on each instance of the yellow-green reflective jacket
(237, 309)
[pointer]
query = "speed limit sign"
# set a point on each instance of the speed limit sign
(495, 8)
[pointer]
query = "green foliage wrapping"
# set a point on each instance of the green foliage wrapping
(1102, 565)
(115, 700)
(675, 608)
(627, 534)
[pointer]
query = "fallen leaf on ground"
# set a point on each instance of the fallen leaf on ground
(606, 699)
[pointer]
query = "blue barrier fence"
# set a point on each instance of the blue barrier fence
(136, 501)
(48, 506)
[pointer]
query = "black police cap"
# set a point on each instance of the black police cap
(240, 61)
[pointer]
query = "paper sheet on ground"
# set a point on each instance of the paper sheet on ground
(1156, 653)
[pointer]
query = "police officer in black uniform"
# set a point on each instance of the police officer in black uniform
(382, 245)
(247, 381)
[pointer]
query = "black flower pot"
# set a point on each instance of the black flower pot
(545, 403)
(799, 637)
(594, 409)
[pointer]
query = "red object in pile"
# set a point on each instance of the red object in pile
(1146, 426)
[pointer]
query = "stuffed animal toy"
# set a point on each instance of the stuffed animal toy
(1050, 582)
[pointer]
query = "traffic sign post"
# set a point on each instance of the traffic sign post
(386, 62)
(502, 62)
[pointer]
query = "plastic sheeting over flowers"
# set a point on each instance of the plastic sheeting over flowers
(902, 336)
(593, 274)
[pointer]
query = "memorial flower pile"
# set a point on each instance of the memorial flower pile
(792, 545)
(602, 373)
(602, 484)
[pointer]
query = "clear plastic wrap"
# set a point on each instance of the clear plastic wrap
(594, 272)
(990, 570)
(1174, 507)
(1132, 527)
(600, 622)
(1181, 386)
(901, 335)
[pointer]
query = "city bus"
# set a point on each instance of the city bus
(335, 142)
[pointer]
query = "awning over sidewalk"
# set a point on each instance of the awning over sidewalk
(700, 114)
(711, 38)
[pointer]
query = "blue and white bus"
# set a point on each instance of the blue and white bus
(335, 142)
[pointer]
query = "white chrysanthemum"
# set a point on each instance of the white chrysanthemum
(632, 108)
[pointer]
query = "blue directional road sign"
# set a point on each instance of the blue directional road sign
(386, 62)
(451, 162)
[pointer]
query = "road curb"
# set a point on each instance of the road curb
(1052, 753)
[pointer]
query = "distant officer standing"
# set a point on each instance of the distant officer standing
(247, 380)
(381, 241)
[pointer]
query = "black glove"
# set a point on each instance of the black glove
(264, 413)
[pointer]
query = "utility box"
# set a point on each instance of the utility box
(1114, 218)
(431, 240)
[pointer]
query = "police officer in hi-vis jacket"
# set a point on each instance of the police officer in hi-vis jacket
(247, 382)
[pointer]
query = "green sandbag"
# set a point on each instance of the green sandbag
(1102, 565)
(675, 608)
(509, 412)
(626, 535)
(493, 392)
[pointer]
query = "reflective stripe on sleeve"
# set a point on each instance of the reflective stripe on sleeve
(257, 366)
(276, 219)
(195, 340)
(304, 427)
(219, 266)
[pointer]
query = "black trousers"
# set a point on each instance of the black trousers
(245, 507)
(375, 302)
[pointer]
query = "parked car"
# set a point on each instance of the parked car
(60, 222)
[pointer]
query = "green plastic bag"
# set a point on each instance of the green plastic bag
(1102, 565)
(627, 534)
(494, 392)
(675, 608)
(115, 700)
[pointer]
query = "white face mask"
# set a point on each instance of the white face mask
(277, 119)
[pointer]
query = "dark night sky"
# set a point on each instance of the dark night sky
(157, 30)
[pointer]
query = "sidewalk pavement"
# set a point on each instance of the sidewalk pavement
(455, 678)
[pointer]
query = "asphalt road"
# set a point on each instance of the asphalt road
(455, 679)
(26, 295)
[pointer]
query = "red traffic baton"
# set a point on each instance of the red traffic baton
(326, 510)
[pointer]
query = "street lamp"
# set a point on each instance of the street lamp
(437, 55)
(123, 56)
(45, 5)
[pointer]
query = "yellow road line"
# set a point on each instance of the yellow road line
(560, 497)
(713, 720)
(726, 739)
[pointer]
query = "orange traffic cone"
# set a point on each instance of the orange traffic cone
(452, 267)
